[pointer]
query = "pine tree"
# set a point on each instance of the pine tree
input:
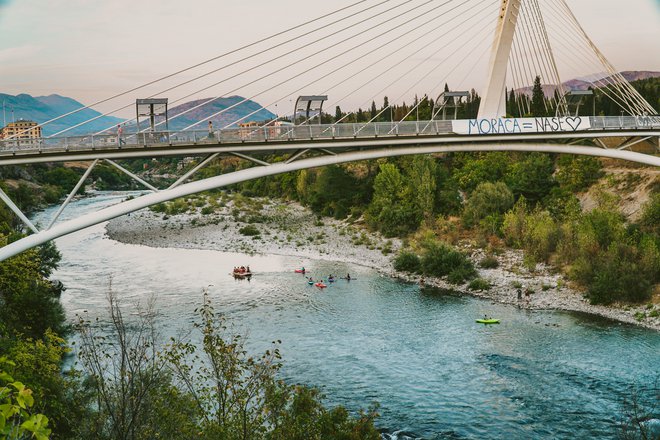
(373, 111)
(538, 99)
(338, 113)
(386, 116)
(511, 104)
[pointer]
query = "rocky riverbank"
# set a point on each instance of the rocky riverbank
(268, 228)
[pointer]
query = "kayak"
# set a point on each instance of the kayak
(310, 283)
(488, 321)
(320, 285)
(331, 280)
(300, 271)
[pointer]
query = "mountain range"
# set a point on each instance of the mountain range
(44, 108)
(586, 82)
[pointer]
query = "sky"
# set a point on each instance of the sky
(92, 49)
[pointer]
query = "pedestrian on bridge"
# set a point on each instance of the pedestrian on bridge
(211, 135)
(120, 131)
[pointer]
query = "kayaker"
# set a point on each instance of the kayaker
(348, 276)
(303, 270)
(247, 269)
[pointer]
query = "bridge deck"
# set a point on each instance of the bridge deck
(291, 137)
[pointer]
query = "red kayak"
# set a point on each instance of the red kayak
(300, 271)
(320, 285)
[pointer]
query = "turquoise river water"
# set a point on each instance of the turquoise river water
(419, 353)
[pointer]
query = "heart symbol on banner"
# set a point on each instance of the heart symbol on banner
(574, 122)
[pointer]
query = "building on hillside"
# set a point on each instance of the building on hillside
(258, 130)
(22, 129)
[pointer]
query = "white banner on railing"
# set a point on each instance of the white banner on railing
(520, 125)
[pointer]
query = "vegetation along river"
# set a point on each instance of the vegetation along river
(420, 354)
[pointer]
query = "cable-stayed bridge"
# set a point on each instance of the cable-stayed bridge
(361, 52)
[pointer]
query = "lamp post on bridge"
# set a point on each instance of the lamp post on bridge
(151, 108)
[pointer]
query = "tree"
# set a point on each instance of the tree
(392, 210)
(213, 389)
(422, 175)
(538, 99)
(531, 177)
(124, 372)
(511, 104)
(470, 170)
(29, 304)
(488, 199)
(338, 114)
(578, 173)
(373, 112)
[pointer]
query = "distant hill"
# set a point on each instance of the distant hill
(584, 84)
(630, 76)
(44, 108)
(241, 110)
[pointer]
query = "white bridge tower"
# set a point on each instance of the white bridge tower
(493, 103)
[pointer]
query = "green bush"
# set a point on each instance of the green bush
(249, 230)
(461, 274)
(488, 200)
(160, 207)
(479, 284)
(640, 316)
(407, 261)
(440, 260)
(618, 274)
(489, 262)
(578, 173)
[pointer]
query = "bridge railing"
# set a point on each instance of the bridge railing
(624, 122)
(276, 133)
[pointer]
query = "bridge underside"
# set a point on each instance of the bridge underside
(264, 169)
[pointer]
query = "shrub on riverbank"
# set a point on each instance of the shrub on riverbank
(249, 230)
(479, 284)
(612, 260)
(407, 261)
(437, 259)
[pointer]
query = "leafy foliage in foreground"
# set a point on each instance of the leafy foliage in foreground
(209, 390)
(16, 403)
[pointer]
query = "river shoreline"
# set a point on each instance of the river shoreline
(292, 230)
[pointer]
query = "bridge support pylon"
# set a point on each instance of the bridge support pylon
(493, 102)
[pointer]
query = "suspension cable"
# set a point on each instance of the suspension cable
(195, 66)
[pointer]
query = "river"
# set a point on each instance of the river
(419, 353)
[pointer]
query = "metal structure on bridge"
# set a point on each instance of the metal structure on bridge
(526, 39)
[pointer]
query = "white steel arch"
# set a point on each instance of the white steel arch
(145, 201)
